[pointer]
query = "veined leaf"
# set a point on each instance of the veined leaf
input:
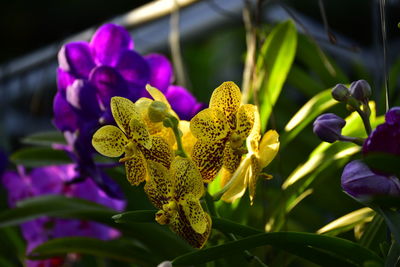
(347, 222)
(39, 156)
(273, 65)
(122, 250)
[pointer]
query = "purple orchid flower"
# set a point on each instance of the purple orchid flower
(358, 180)
(55, 180)
(89, 74)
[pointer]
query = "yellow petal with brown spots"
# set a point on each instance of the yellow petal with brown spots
(194, 214)
(159, 186)
(139, 133)
(269, 147)
(186, 178)
(181, 226)
(245, 118)
(252, 141)
(209, 125)
(208, 158)
(226, 97)
(109, 141)
(157, 95)
(160, 151)
(231, 157)
(123, 111)
(135, 167)
(253, 173)
(238, 183)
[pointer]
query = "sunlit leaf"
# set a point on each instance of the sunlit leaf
(273, 65)
(347, 222)
(306, 114)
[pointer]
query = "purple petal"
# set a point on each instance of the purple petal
(65, 117)
(161, 71)
(133, 68)
(385, 138)
(393, 116)
(183, 102)
(76, 58)
(82, 96)
(108, 83)
(107, 43)
(359, 181)
(64, 79)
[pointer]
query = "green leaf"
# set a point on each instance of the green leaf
(314, 107)
(347, 222)
(296, 243)
(122, 250)
(137, 216)
(273, 65)
(45, 138)
(39, 156)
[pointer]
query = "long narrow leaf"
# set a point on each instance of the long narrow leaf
(39, 156)
(342, 249)
(273, 65)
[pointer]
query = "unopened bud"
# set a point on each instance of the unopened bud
(157, 111)
(328, 127)
(340, 92)
(360, 90)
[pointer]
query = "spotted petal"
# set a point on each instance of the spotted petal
(139, 133)
(209, 125)
(245, 118)
(160, 151)
(194, 213)
(208, 158)
(159, 186)
(124, 111)
(109, 141)
(186, 178)
(227, 98)
(231, 158)
(181, 226)
(135, 167)
(188, 139)
(253, 173)
(269, 147)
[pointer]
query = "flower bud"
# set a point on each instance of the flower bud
(359, 181)
(157, 111)
(340, 92)
(360, 90)
(328, 127)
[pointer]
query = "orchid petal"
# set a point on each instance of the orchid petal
(245, 118)
(208, 157)
(160, 151)
(124, 111)
(227, 98)
(76, 58)
(108, 41)
(194, 214)
(135, 167)
(186, 178)
(161, 71)
(159, 186)
(209, 125)
(269, 147)
(139, 133)
(132, 66)
(109, 141)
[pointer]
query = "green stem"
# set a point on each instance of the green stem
(365, 118)
(173, 123)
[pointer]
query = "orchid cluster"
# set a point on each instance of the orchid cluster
(358, 179)
(175, 169)
(89, 75)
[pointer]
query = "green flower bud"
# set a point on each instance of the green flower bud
(340, 92)
(158, 111)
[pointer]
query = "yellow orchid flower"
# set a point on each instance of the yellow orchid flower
(221, 131)
(176, 193)
(259, 156)
(155, 128)
(132, 138)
